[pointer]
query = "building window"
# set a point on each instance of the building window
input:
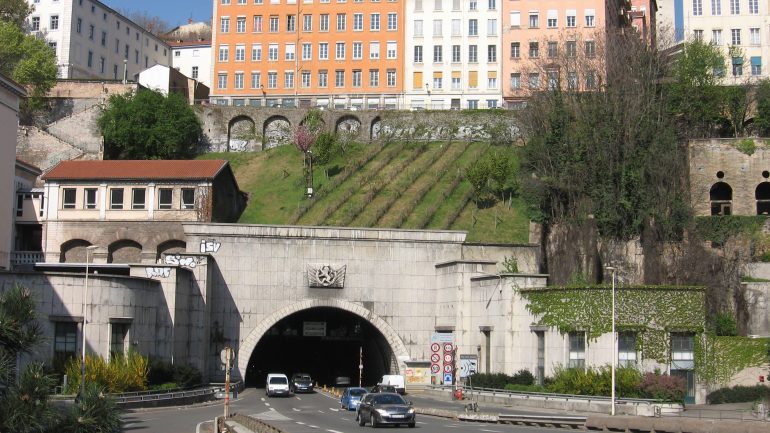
(534, 80)
(90, 198)
(291, 23)
(534, 51)
(418, 28)
(290, 52)
(682, 349)
(572, 80)
(358, 22)
(627, 349)
(35, 24)
(391, 49)
(307, 23)
(756, 65)
(552, 19)
(356, 77)
(240, 25)
(735, 7)
(358, 50)
(417, 54)
(391, 77)
(224, 53)
(590, 17)
(534, 20)
(195, 72)
(571, 47)
(188, 198)
(515, 50)
(716, 7)
(571, 18)
(437, 25)
(577, 350)
(118, 334)
(438, 80)
(392, 21)
(305, 79)
(374, 51)
(754, 36)
(55, 24)
(515, 81)
(257, 23)
(324, 23)
(591, 80)
(323, 51)
(716, 37)
(374, 77)
(553, 49)
(473, 54)
(697, 7)
(374, 22)
(473, 27)
(590, 48)
(116, 198)
(491, 53)
(65, 342)
(697, 35)
(553, 79)
(256, 53)
(222, 81)
(69, 199)
(473, 5)
(736, 36)
(753, 7)
(256, 80)
(323, 79)
(737, 66)
(438, 55)
(272, 52)
(339, 78)
(224, 25)
(341, 22)
(240, 53)
(491, 27)
(307, 51)
(79, 25)
(456, 54)
(238, 80)
(339, 51)
(492, 4)
(165, 196)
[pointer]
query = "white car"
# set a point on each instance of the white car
(277, 384)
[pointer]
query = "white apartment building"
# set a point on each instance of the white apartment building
(739, 27)
(453, 54)
(193, 59)
(92, 40)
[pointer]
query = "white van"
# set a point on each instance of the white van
(277, 384)
(394, 380)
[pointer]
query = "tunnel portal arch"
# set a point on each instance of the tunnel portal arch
(250, 343)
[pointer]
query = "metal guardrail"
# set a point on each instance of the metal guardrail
(549, 396)
(571, 421)
(155, 397)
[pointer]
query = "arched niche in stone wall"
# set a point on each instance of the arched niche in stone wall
(173, 246)
(241, 134)
(74, 251)
(721, 198)
(276, 132)
(124, 251)
(762, 195)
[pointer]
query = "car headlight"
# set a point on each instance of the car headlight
(411, 410)
(382, 412)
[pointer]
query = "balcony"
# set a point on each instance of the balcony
(25, 260)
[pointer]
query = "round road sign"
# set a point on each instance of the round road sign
(435, 347)
(435, 369)
(447, 369)
(447, 358)
(447, 347)
(435, 358)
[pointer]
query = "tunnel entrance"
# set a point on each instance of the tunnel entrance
(324, 342)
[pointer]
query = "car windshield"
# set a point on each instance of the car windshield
(388, 399)
(357, 392)
(278, 381)
(303, 377)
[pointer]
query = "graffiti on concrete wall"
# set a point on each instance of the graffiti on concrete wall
(210, 245)
(184, 261)
(158, 272)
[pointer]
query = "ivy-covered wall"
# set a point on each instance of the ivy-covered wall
(653, 311)
(718, 358)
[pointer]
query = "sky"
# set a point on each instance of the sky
(174, 12)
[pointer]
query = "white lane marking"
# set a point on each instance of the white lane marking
(300, 423)
(320, 411)
(451, 426)
(312, 426)
(272, 408)
(333, 431)
(263, 398)
(295, 409)
(297, 397)
(267, 404)
(493, 431)
(334, 409)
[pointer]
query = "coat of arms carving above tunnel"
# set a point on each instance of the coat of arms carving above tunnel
(326, 276)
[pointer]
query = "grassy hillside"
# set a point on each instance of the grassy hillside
(400, 185)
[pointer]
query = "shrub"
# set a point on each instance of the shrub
(187, 376)
(724, 325)
(663, 387)
(597, 381)
(119, 374)
(525, 388)
(160, 372)
(489, 380)
(522, 377)
(163, 373)
(739, 394)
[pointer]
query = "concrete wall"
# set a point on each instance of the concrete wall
(10, 94)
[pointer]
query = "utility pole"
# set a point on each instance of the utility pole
(228, 362)
(360, 365)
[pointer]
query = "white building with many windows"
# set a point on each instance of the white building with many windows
(739, 27)
(92, 40)
(453, 54)
(193, 59)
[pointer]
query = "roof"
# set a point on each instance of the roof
(190, 44)
(136, 170)
(12, 86)
(31, 168)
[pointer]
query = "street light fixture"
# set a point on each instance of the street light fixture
(85, 321)
(614, 342)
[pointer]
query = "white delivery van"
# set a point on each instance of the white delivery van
(396, 381)
(277, 384)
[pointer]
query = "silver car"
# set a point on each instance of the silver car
(385, 408)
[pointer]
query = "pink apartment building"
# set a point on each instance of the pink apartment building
(551, 43)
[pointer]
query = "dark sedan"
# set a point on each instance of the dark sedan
(385, 408)
(301, 382)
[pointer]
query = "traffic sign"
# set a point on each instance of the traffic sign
(435, 347)
(447, 378)
(435, 369)
(448, 347)
(447, 368)
(435, 358)
(447, 358)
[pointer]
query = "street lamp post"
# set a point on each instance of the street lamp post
(614, 343)
(85, 321)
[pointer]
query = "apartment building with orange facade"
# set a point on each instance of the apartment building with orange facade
(340, 53)
(559, 43)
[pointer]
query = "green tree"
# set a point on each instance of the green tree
(28, 60)
(148, 125)
(762, 117)
(695, 98)
(15, 12)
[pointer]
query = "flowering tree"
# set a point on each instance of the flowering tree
(303, 139)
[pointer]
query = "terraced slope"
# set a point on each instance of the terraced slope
(414, 186)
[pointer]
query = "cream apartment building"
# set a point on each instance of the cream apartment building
(738, 27)
(92, 40)
(10, 96)
(453, 54)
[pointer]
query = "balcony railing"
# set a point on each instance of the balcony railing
(25, 259)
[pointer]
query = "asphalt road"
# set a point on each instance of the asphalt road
(303, 413)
